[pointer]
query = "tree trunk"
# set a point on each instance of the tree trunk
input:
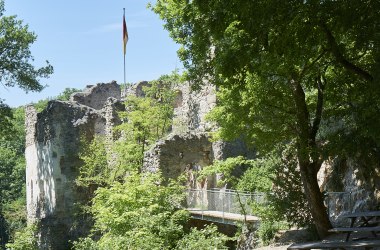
(314, 198)
(308, 158)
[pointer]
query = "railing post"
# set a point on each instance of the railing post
(223, 207)
(202, 202)
(350, 203)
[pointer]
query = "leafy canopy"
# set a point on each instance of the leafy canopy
(255, 52)
(15, 55)
(16, 67)
(303, 71)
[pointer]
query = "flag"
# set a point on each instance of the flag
(125, 34)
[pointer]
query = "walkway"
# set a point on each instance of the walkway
(223, 205)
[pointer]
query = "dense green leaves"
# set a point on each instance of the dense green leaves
(137, 214)
(303, 71)
(15, 63)
(142, 214)
(207, 238)
(12, 177)
(25, 239)
(146, 120)
(66, 94)
(15, 55)
(254, 52)
(95, 170)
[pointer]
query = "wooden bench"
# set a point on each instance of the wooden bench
(350, 230)
(354, 229)
(362, 244)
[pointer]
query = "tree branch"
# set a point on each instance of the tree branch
(302, 112)
(318, 111)
(334, 49)
(304, 70)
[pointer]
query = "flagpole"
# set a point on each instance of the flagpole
(124, 45)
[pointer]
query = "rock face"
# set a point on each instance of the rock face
(52, 145)
(350, 187)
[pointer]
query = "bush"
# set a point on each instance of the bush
(25, 239)
(204, 239)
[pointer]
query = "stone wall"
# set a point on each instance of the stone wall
(95, 96)
(178, 154)
(191, 108)
(53, 140)
(189, 148)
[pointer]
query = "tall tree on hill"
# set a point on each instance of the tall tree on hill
(15, 62)
(302, 71)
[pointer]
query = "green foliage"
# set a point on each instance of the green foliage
(6, 120)
(124, 86)
(12, 162)
(288, 197)
(257, 177)
(64, 96)
(226, 169)
(16, 63)
(204, 239)
(267, 231)
(41, 104)
(25, 239)
(12, 175)
(67, 92)
(139, 213)
(15, 215)
(302, 71)
(146, 120)
(279, 178)
(16, 57)
(132, 209)
(85, 244)
(95, 170)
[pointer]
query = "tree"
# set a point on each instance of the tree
(146, 119)
(15, 62)
(66, 94)
(12, 178)
(139, 213)
(288, 71)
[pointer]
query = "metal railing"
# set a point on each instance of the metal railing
(227, 201)
(223, 201)
(339, 203)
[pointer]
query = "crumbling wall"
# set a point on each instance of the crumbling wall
(191, 108)
(178, 154)
(189, 148)
(95, 96)
(53, 141)
(135, 89)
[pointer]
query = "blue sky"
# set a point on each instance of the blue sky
(82, 39)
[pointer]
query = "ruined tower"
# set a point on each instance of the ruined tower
(53, 139)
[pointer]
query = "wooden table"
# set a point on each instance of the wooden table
(360, 244)
(363, 220)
